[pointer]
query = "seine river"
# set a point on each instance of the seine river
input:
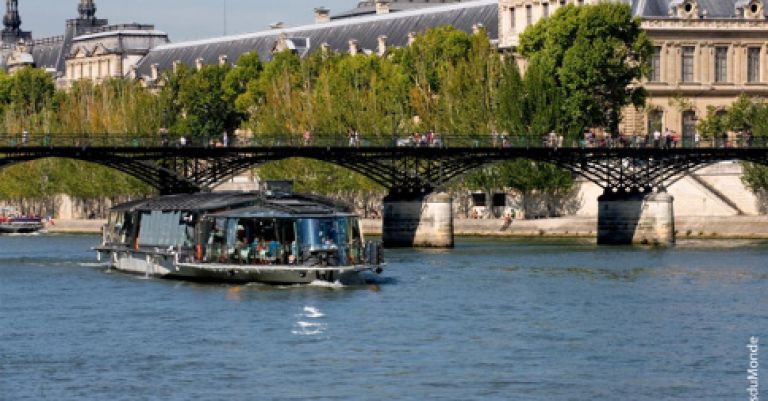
(490, 320)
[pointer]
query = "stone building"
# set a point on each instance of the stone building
(706, 53)
(90, 48)
(111, 51)
(348, 32)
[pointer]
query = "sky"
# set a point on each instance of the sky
(181, 19)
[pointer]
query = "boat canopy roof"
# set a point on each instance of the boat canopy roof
(242, 204)
(200, 202)
(290, 206)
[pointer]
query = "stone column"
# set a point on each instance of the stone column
(636, 218)
(422, 221)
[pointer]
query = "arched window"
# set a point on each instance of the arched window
(655, 121)
(689, 127)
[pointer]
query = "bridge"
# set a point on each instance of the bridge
(633, 171)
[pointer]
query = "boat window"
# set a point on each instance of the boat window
(337, 236)
(249, 241)
(163, 229)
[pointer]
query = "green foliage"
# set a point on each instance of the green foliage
(713, 125)
(202, 99)
(744, 115)
(448, 81)
(755, 177)
(511, 112)
(31, 89)
(593, 53)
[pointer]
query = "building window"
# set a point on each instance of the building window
(753, 64)
(545, 10)
(512, 17)
(656, 64)
(721, 64)
(689, 127)
(655, 118)
(687, 63)
(528, 15)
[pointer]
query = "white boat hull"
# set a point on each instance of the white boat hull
(166, 266)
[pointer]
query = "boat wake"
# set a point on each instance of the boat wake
(312, 312)
(307, 327)
(98, 265)
(326, 284)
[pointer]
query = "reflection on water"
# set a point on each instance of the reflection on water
(491, 320)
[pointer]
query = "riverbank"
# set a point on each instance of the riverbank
(76, 226)
(732, 227)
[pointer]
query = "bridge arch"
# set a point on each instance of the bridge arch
(157, 177)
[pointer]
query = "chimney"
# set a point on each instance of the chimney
(322, 15)
(199, 63)
(353, 47)
(382, 7)
(223, 60)
(277, 25)
(382, 45)
(176, 65)
(477, 28)
(411, 38)
(155, 71)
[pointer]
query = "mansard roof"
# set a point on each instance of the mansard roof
(337, 34)
(48, 52)
(712, 8)
(368, 7)
(133, 39)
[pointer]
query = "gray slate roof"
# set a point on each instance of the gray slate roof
(366, 30)
(368, 7)
(49, 54)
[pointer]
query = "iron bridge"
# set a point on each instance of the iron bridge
(407, 167)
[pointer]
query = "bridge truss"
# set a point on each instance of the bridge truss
(405, 171)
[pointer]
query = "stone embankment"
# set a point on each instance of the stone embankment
(76, 226)
(737, 227)
(746, 227)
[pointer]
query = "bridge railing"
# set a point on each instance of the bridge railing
(362, 141)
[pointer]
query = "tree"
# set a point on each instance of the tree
(247, 69)
(595, 53)
(510, 111)
(206, 113)
(31, 89)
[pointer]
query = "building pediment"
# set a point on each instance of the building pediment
(85, 51)
(100, 50)
(79, 52)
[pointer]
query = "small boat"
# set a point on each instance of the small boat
(273, 237)
(12, 222)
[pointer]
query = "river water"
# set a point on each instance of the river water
(490, 320)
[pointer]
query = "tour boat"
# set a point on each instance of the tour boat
(273, 237)
(12, 222)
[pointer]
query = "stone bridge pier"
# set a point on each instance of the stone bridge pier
(423, 220)
(636, 218)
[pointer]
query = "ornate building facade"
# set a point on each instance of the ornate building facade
(706, 53)
(90, 48)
